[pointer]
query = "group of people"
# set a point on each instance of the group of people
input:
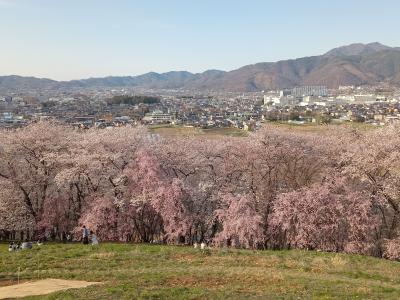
(89, 237)
(202, 245)
(17, 246)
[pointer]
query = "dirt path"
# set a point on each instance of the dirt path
(41, 287)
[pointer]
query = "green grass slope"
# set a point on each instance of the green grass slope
(172, 272)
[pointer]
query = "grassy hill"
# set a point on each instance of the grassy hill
(172, 272)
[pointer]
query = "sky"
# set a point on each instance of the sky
(73, 39)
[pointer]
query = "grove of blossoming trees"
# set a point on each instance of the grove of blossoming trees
(336, 190)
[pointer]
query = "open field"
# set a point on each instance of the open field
(320, 128)
(159, 272)
(172, 131)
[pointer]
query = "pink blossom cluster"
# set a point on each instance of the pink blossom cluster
(331, 190)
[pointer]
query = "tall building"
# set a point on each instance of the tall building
(284, 93)
(158, 117)
(310, 90)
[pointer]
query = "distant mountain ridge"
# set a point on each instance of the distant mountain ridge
(358, 49)
(354, 64)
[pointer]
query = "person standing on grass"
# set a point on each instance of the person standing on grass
(69, 238)
(94, 239)
(85, 235)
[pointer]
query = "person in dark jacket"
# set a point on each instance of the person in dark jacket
(85, 235)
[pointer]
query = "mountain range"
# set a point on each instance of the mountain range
(355, 64)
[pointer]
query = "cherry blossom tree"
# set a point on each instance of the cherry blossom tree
(198, 164)
(331, 216)
(29, 164)
(373, 159)
(147, 207)
(242, 225)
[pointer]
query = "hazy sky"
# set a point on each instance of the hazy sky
(70, 39)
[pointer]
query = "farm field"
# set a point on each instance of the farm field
(320, 128)
(173, 131)
(143, 271)
(176, 131)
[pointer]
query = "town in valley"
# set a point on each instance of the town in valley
(108, 107)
